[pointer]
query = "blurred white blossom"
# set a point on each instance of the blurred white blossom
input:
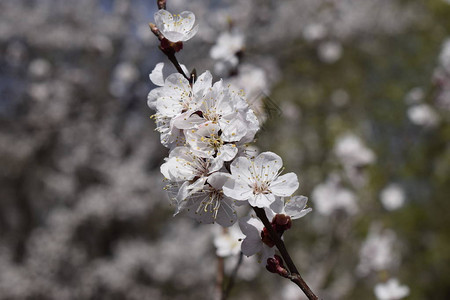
(378, 251)
(330, 51)
(391, 290)
(331, 196)
(225, 51)
(392, 197)
(228, 242)
(423, 115)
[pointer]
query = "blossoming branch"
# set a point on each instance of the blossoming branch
(208, 128)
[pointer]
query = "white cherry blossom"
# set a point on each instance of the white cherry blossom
(225, 51)
(378, 252)
(351, 151)
(176, 96)
(391, 290)
(423, 115)
(252, 244)
(227, 45)
(177, 27)
(294, 207)
(183, 165)
(258, 180)
(207, 141)
(392, 197)
(331, 196)
(209, 204)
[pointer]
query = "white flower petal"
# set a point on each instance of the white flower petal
(237, 190)
(227, 152)
(295, 207)
(251, 246)
(226, 216)
(285, 185)
(261, 200)
(203, 82)
(240, 168)
(276, 207)
(156, 76)
(218, 180)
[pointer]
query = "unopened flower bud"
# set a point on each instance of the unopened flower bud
(275, 265)
(281, 222)
(265, 237)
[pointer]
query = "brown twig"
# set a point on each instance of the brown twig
(161, 4)
(168, 49)
(295, 275)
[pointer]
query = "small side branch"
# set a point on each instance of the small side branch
(295, 275)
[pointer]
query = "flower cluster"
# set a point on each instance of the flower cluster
(208, 127)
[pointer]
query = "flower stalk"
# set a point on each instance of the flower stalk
(295, 276)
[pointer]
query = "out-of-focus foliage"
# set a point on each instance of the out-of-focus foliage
(82, 210)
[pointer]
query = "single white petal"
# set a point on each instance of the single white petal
(218, 180)
(187, 20)
(285, 185)
(251, 226)
(203, 82)
(190, 33)
(163, 17)
(226, 216)
(237, 189)
(251, 246)
(269, 158)
(241, 170)
(268, 165)
(156, 76)
(227, 152)
(187, 120)
(261, 200)
(277, 207)
(295, 207)
(153, 97)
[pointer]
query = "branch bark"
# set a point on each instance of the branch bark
(295, 276)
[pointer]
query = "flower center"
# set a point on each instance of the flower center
(211, 203)
(261, 188)
(214, 141)
(211, 115)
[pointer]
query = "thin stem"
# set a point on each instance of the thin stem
(174, 61)
(295, 275)
(232, 279)
(169, 52)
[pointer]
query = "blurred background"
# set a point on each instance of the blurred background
(353, 94)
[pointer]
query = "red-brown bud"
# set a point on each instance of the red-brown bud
(281, 222)
(265, 237)
(275, 265)
(168, 46)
